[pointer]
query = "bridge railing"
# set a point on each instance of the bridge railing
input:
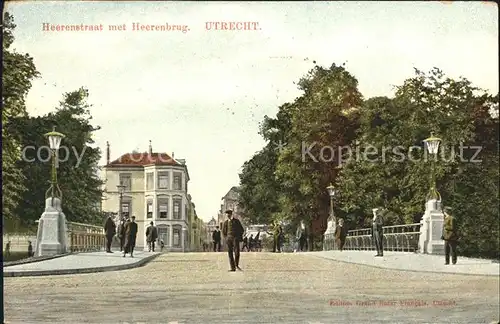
(85, 237)
(402, 238)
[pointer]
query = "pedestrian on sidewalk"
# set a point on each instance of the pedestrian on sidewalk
(340, 234)
(378, 232)
(233, 235)
(450, 237)
(110, 230)
(216, 238)
(151, 236)
(121, 234)
(7, 249)
(130, 236)
(30, 249)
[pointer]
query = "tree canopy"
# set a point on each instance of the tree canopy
(372, 151)
(26, 164)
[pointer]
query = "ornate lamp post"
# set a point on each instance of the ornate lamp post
(55, 139)
(121, 190)
(432, 145)
(51, 235)
(332, 222)
(432, 220)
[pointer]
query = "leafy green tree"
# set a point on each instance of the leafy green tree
(457, 112)
(78, 166)
(323, 121)
(18, 72)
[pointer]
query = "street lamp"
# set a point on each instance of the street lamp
(55, 139)
(333, 222)
(184, 231)
(432, 144)
(121, 190)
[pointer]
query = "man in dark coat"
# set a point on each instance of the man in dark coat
(251, 243)
(378, 232)
(340, 234)
(245, 244)
(110, 230)
(233, 234)
(277, 232)
(216, 238)
(130, 236)
(121, 233)
(151, 236)
(450, 237)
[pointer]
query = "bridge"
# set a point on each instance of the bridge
(309, 287)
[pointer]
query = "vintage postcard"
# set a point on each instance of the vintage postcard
(250, 162)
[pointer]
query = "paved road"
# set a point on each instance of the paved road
(273, 288)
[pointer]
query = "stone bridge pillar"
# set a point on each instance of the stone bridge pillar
(431, 229)
(51, 235)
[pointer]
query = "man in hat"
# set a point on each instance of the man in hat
(450, 237)
(233, 234)
(110, 230)
(378, 231)
(216, 238)
(151, 236)
(130, 236)
(340, 234)
(121, 233)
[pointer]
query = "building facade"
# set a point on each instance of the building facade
(155, 189)
(197, 229)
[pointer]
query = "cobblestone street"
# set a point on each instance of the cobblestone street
(273, 288)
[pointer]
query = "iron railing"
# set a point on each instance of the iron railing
(402, 238)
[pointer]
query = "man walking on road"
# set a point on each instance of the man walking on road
(216, 238)
(233, 234)
(110, 230)
(450, 237)
(151, 236)
(340, 234)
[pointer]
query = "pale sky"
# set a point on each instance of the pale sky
(202, 94)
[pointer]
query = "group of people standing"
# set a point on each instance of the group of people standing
(449, 235)
(127, 234)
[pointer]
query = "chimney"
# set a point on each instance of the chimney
(150, 148)
(173, 158)
(107, 153)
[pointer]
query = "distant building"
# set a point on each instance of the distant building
(156, 189)
(230, 201)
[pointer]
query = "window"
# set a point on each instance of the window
(163, 209)
(126, 210)
(177, 208)
(186, 215)
(150, 178)
(176, 236)
(163, 180)
(126, 180)
(177, 181)
(149, 211)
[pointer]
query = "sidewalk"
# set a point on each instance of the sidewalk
(413, 262)
(80, 263)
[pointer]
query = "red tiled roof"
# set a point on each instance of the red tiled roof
(143, 159)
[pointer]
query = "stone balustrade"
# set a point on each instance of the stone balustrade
(85, 238)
